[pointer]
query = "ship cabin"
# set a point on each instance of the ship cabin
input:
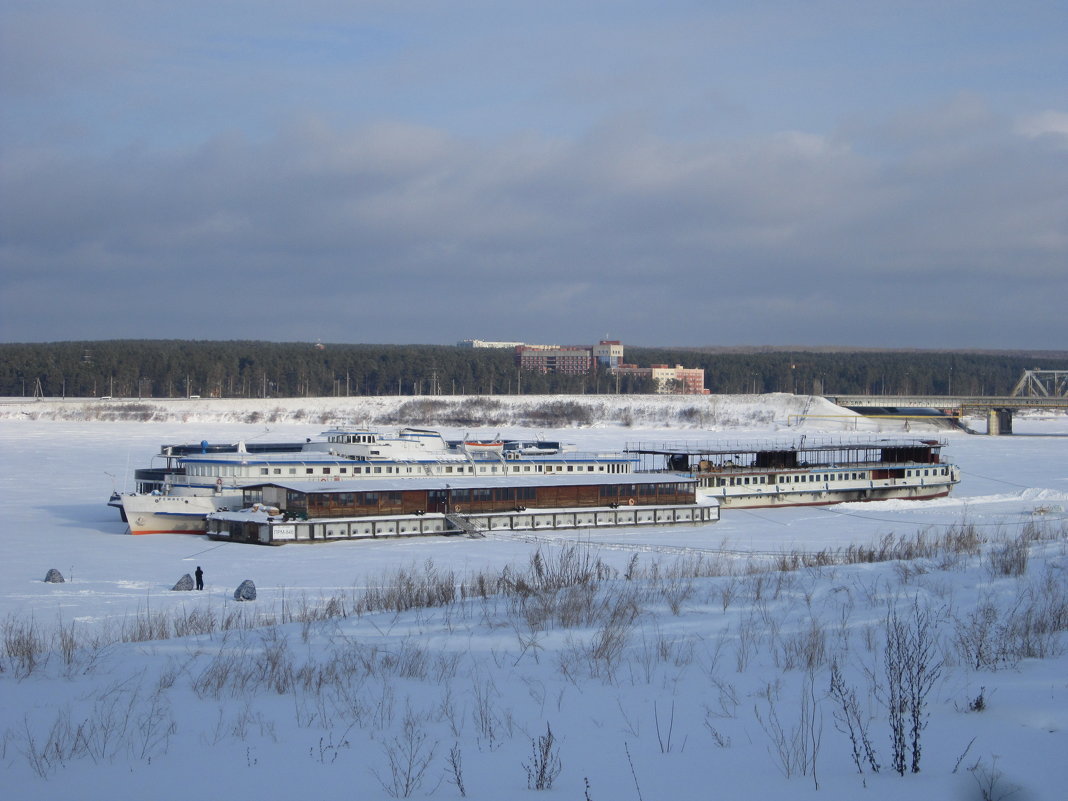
(418, 496)
(881, 458)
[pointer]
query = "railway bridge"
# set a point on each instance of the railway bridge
(1036, 389)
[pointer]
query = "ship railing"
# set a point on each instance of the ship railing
(804, 443)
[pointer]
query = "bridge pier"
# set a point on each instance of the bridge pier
(998, 422)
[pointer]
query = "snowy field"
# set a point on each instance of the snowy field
(681, 667)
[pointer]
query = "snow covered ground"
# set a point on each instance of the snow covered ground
(680, 670)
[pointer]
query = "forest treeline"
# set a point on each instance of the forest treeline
(233, 369)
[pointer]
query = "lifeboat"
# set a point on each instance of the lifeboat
(475, 447)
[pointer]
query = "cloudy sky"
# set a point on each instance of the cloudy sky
(829, 172)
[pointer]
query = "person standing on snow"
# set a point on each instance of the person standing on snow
(200, 578)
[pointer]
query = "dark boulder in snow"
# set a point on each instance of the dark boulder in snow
(53, 576)
(185, 583)
(246, 591)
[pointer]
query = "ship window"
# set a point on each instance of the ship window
(326, 471)
(278, 471)
(263, 471)
(378, 469)
(343, 470)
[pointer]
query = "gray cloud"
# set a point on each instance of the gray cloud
(338, 174)
(633, 234)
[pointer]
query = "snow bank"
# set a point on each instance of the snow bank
(712, 412)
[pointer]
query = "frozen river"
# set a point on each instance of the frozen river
(57, 476)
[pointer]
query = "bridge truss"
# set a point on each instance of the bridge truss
(1042, 384)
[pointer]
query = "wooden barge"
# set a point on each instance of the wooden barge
(282, 512)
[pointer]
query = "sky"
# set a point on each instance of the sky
(670, 173)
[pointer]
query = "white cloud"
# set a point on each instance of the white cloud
(1047, 123)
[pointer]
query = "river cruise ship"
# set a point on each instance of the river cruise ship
(190, 481)
(808, 471)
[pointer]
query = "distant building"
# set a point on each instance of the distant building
(606, 355)
(570, 360)
(482, 343)
(609, 354)
(677, 380)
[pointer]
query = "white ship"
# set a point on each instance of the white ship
(193, 481)
(805, 472)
